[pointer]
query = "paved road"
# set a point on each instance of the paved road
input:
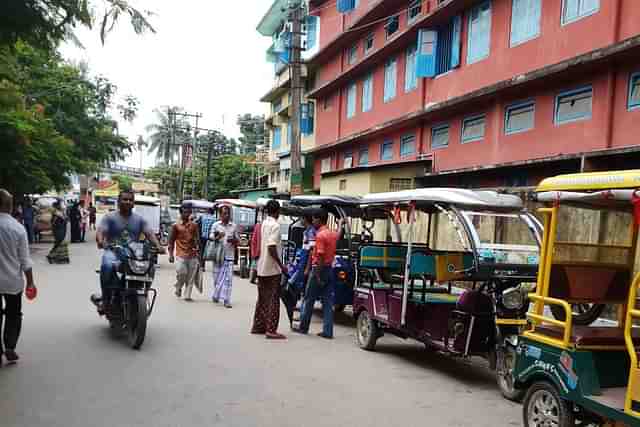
(201, 367)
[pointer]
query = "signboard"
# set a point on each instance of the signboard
(146, 187)
(112, 190)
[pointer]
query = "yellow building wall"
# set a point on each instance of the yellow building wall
(358, 184)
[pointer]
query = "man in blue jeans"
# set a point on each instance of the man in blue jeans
(321, 284)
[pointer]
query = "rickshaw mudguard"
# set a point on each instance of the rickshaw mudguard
(572, 372)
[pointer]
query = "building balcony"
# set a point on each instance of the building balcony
(281, 86)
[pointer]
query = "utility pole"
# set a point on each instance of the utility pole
(295, 68)
(193, 156)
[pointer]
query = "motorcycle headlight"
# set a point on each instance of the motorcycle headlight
(139, 267)
(513, 299)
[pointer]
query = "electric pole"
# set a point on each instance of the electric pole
(295, 69)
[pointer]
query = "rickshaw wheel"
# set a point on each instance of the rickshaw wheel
(583, 314)
(504, 373)
(367, 332)
(543, 407)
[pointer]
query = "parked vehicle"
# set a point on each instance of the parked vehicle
(479, 239)
(149, 208)
(342, 210)
(132, 303)
(575, 373)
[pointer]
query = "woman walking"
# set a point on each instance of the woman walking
(59, 254)
(75, 217)
(225, 232)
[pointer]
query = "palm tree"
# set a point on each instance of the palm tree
(141, 144)
(161, 137)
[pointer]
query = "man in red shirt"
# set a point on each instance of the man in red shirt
(321, 284)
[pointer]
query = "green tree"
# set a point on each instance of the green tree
(124, 182)
(253, 132)
(46, 23)
(162, 134)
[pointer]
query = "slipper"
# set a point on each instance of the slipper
(276, 336)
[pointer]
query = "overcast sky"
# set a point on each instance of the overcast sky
(206, 57)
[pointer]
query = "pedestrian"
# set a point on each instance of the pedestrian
(185, 239)
(320, 284)
(15, 261)
(225, 231)
(92, 216)
(59, 254)
(28, 217)
(270, 269)
(204, 224)
(75, 217)
(84, 221)
(301, 271)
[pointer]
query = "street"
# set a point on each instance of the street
(199, 366)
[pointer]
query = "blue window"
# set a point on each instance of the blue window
(439, 49)
(479, 40)
(307, 115)
(634, 91)
(440, 136)
(573, 10)
(386, 150)
(363, 157)
(473, 128)
(277, 138)
(519, 117)
(345, 5)
(407, 145)
(351, 100)
(367, 93)
(410, 77)
(574, 105)
(390, 79)
(525, 20)
(289, 134)
(312, 31)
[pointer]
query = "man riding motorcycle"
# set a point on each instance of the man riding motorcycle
(120, 226)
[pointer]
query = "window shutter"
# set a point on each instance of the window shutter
(346, 5)
(312, 28)
(304, 119)
(456, 24)
(426, 59)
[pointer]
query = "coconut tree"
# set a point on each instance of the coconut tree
(167, 134)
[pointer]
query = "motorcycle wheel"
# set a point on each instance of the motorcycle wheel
(504, 373)
(583, 314)
(137, 322)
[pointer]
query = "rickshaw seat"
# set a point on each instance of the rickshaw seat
(391, 257)
(590, 281)
(587, 336)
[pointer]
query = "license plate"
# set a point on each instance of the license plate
(139, 278)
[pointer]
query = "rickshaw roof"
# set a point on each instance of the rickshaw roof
(146, 200)
(592, 181)
(286, 208)
(605, 199)
(427, 198)
(345, 201)
(240, 203)
(198, 204)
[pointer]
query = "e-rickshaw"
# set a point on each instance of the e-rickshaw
(342, 209)
(460, 281)
(577, 373)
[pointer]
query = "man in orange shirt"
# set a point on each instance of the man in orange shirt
(185, 238)
(321, 284)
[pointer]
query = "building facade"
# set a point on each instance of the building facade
(485, 93)
(277, 24)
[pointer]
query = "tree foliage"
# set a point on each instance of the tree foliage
(253, 132)
(54, 120)
(45, 23)
(124, 182)
(167, 134)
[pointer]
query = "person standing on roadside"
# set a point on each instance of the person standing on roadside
(92, 216)
(320, 286)
(28, 217)
(270, 270)
(15, 261)
(84, 221)
(224, 231)
(185, 239)
(205, 222)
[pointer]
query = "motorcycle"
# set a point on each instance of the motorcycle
(132, 302)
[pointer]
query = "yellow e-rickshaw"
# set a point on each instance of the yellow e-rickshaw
(584, 374)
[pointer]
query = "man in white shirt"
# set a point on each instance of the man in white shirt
(270, 270)
(225, 231)
(14, 262)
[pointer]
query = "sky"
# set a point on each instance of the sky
(206, 56)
